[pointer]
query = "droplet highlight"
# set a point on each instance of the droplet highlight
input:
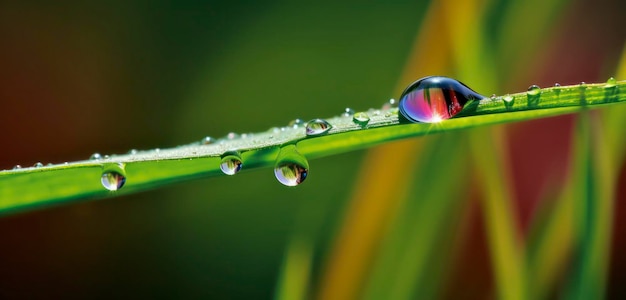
(114, 177)
(231, 163)
(434, 99)
(361, 118)
(291, 168)
(317, 127)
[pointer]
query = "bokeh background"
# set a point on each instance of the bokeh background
(404, 220)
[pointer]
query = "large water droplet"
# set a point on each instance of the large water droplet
(361, 118)
(231, 163)
(96, 156)
(317, 127)
(291, 167)
(436, 98)
(114, 177)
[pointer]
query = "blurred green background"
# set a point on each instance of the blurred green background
(78, 78)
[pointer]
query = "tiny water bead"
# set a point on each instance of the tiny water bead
(291, 168)
(95, 156)
(231, 163)
(533, 90)
(436, 98)
(317, 127)
(361, 118)
(296, 123)
(113, 178)
(390, 104)
(348, 112)
(38, 165)
(557, 89)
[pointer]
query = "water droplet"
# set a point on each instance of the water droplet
(533, 94)
(508, 101)
(231, 136)
(317, 127)
(557, 89)
(114, 177)
(38, 165)
(348, 112)
(157, 150)
(610, 83)
(231, 163)
(389, 104)
(208, 140)
(17, 167)
(132, 151)
(493, 97)
(96, 156)
(433, 99)
(361, 118)
(296, 123)
(533, 90)
(106, 157)
(291, 167)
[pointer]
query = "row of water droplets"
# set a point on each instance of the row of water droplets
(291, 167)
(426, 100)
(534, 93)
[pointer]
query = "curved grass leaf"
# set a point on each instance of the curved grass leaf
(33, 187)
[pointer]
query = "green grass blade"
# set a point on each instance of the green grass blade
(33, 187)
(413, 245)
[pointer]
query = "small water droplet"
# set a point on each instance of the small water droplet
(231, 136)
(317, 127)
(436, 98)
(557, 89)
(17, 167)
(611, 83)
(361, 118)
(38, 165)
(49, 164)
(582, 85)
(208, 140)
(533, 94)
(132, 151)
(157, 150)
(275, 129)
(508, 101)
(348, 112)
(493, 96)
(296, 123)
(291, 167)
(231, 163)
(533, 90)
(96, 156)
(106, 157)
(114, 177)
